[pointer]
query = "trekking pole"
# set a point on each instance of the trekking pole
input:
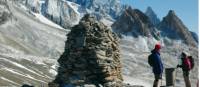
(161, 80)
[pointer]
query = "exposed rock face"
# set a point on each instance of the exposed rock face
(91, 57)
(133, 22)
(5, 13)
(173, 28)
(68, 13)
(33, 5)
(62, 12)
(195, 36)
(152, 16)
(103, 8)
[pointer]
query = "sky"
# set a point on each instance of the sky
(186, 10)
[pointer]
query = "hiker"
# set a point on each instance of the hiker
(157, 65)
(186, 65)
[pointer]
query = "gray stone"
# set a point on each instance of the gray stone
(93, 56)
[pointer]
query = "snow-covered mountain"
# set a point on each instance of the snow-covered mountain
(152, 16)
(103, 7)
(172, 27)
(68, 12)
(62, 12)
(28, 51)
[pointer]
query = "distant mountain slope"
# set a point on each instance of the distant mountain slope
(173, 28)
(195, 36)
(29, 47)
(134, 23)
(152, 16)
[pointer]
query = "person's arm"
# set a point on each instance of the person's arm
(179, 66)
(159, 65)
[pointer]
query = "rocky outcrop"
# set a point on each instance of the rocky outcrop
(5, 13)
(91, 57)
(103, 8)
(195, 36)
(152, 16)
(33, 5)
(133, 22)
(62, 12)
(173, 28)
(68, 13)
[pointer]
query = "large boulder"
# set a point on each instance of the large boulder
(91, 57)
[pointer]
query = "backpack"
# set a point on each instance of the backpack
(187, 63)
(191, 61)
(150, 60)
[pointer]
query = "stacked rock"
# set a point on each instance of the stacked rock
(91, 57)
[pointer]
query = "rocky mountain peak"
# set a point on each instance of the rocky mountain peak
(150, 10)
(172, 17)
(171, 13)
(152, 16)
(133, 22)
(173, 28)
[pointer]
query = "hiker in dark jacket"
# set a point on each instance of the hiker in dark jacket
(186, 68)
(157, 65)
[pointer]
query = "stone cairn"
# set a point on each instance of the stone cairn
(91, 57)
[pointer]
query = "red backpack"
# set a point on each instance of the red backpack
(187, 63)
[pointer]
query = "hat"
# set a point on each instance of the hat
(157, 46)
(185, 53)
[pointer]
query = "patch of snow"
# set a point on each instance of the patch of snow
(36, 59)
(53, 72)
(74, 6)
(35, 79)
(24, 75)
(9, 81)
(21, 66)
(139, 43)
(47, 21)
(23, 7)
(134, 81)
(106, 22)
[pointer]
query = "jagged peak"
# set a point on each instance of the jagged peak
(174, 28)
(136, 13)
(129, 8)
(172, 17)
(152, 16)
(171, 13)
(149, 10)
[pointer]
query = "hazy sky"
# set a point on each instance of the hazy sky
(186, 10)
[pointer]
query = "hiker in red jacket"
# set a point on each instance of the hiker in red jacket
(186, 67)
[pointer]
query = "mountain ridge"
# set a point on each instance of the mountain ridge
(152, 16)
(172, 27)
